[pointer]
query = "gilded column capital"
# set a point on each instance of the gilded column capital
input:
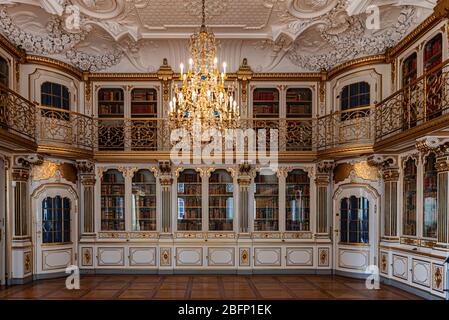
(442, 164)
(88, 180)
(438, 145)
(387, 164)
(325, 167)
(165, 173)
(20, 174)
(26, 161)
(390, 174)
(85, 167)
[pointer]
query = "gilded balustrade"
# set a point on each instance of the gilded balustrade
(420, 101)
(425, 99)
(17, 113)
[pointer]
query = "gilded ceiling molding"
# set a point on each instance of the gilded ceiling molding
(57, 64)
(356, 63)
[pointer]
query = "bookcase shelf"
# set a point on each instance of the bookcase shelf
(299, 103)
(111, 102)
(409, 196)
(266, 103)
(266, 203)
(297, 196)
(144, 103)
(144, 201)
(221, 201)
(113, 201)
(189, 193)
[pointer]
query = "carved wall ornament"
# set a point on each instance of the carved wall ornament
(49, 169)
(360, 169)
(325, 166)
(85, 166)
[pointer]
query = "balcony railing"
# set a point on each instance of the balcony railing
(421, 101)
(17, 114)
(424, 100)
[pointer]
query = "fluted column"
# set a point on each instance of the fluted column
(443, 199)
(166, 181)
(390, 217)
(244, 181)
(22, 217)
(322, 182)
(86, 171)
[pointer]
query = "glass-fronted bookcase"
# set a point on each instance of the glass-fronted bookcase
(204, 200)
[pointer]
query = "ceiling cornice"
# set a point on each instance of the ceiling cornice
(356, 63)
(54, 63)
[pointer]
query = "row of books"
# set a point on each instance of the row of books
(266, 226)
(113, 225)
(144, 95)
(220, 226)
(145, 188)
(189, 189)
(191, 201)
(302, 109)
(266, 95)
(191, 214)
(186, 178)
(219, 201)
(146, 226)
(113, 214)
(146, 202)
(192, 225)
(112, 202)
(115, 189)
(297, 226)
(112, 178)
(223, 189)
(146, 215)
(270, 109)
(216, 213)
(115, 109)
(299, 95)
(110, 95)
(143, 108)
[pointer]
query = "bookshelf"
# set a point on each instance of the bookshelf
(354, 220)
(433, 56)
(430, 190)
(297, 201)
(299, 103)
(266, 103)
(409, 69)
(4, 72)
(111, 103)
(221, 201)
(409, 74)
(266, 203)
(189, 201)
(409, 196)
(112, 201)
(144, 103)
(144, 201)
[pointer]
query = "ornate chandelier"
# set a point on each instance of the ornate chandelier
(202, 100)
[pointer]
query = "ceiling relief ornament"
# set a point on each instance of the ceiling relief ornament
(92, 62)
(57, 40)
(344, 37)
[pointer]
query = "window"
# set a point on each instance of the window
(297, 203)
(354, 222)
(54, 95)
(56, 220)
(354, 96)
(4, 72)
(409, 196)
(430, 197)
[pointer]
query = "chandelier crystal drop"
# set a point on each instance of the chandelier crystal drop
(203, 98)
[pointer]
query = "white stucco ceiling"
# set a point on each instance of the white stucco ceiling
(275, 35)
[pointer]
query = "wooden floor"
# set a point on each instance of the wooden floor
(204, 287)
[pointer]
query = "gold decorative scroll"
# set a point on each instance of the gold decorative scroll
(48, 169)
(361, 169)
